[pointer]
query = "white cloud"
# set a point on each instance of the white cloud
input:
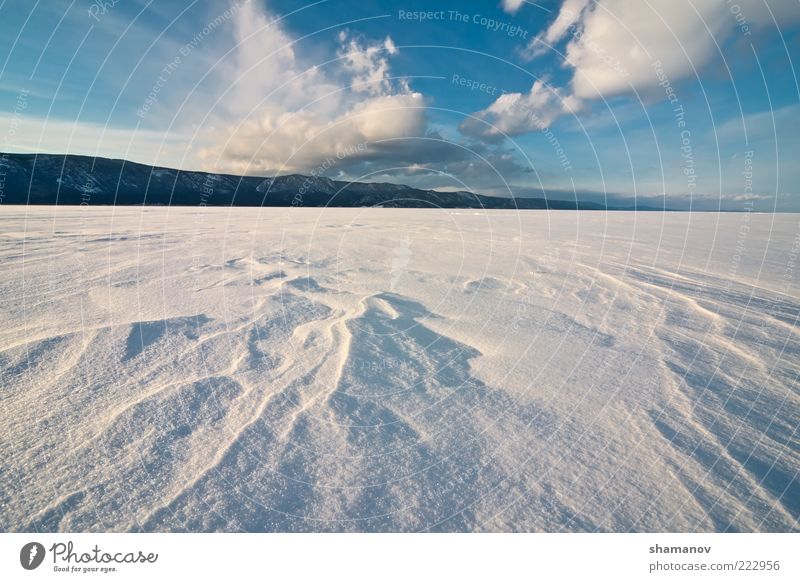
(517, 113)
(611, 45)
(272, 141)
(263, 102)
(782, 123)
(633, 35)
(284, 114)
(368, 64)
(569, 14)
(511, 6)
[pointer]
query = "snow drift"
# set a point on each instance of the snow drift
(170, 369)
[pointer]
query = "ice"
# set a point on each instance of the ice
(289, 369)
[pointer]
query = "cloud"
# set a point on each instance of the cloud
(612, 48)
(264, 65)
(570, 12)
(748, 197)
(271, 141)
(781, 123)
(614, 44)
(368, 64)
(253, 98)
(433, 161)
(349, 118)
(511, 6)
(518, 113)
(284, 114)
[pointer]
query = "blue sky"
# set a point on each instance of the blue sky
(683, 104)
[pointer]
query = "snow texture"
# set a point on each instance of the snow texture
(216, 369)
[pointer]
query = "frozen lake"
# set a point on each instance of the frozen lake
(184, 369)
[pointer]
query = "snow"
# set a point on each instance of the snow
(288, 369)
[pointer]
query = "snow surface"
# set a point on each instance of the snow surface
(382, 369)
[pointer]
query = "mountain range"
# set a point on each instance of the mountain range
(73, 180)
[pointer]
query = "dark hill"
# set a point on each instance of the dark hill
(72, 180)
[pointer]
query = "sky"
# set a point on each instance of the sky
(684, 104)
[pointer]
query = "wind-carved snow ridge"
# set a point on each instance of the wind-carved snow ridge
(397, 370)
